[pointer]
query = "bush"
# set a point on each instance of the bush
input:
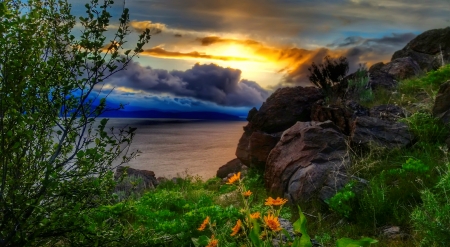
(432, 219)
(343, 202)
(329, 73)
(56, 159)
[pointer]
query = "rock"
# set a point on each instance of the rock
(426, 48)
(370, 130)
(231, 166)
(148, 177)
(390, 113)
(402, 68)
(380, 78)
(393, 232)
(387, 75)
(260, 145)
(307, 161)
(284, 108)
(253, 150)
(251, 114)
(441, 108)
(242, 150)
(341, 116)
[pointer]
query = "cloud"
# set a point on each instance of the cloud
(160, 52)
(210, 40)
(395, 39)
(141, 26)
(212, 83)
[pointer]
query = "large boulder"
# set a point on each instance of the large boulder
(231, 166)
(368, 131)
(284, 108)
(441, 108)
(254, 147)
(426, 49)
(308, 162)
(387, 75)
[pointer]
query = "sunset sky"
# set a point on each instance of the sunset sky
(229, 55)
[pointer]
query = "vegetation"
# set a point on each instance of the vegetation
(329, 73)
(56, 181)
(55, 158)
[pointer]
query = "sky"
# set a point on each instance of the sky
(229, 55)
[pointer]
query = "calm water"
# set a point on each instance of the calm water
(172, 147)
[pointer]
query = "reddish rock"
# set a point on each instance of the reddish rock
(368, 131)
(260, 146)
(284, 108)
(308, 162)
(242, 150)
(231, 166)
(254, 148)
(441, 108)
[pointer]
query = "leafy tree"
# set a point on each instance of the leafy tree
(56, 160)
(329, 73)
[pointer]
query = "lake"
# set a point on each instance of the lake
(171, 147)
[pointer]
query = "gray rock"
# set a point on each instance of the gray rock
(368, 131)
(308, 162)
(148, 177)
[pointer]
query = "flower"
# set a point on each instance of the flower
(213, 242)
(272, 222)
(234, 178)
(236, 228)
(255, 215)
(275, 202)
(247, 193)
(204, 224)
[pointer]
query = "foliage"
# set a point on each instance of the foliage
(342, 202)
(427, 128)
(432, 219)
(358, 86)
(56, 159)
(329, 73)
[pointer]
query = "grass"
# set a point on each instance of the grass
(407, 188)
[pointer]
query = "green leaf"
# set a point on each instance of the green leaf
(348, 242)
(300, 227)
(254, 234)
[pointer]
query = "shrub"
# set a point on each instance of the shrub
(329, 73)
(343, 202)
(426, 128)
(432, 219)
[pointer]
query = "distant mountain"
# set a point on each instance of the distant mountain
(179, 115)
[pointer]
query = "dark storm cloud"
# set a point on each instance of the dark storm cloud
(395, 39)
(222, 86)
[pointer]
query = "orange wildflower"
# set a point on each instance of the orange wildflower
(272, 222)
(234, 178)
(255, 215)
(213, 242)
(247, 193)
(204, 224)
(236, 228)
(275, 202)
